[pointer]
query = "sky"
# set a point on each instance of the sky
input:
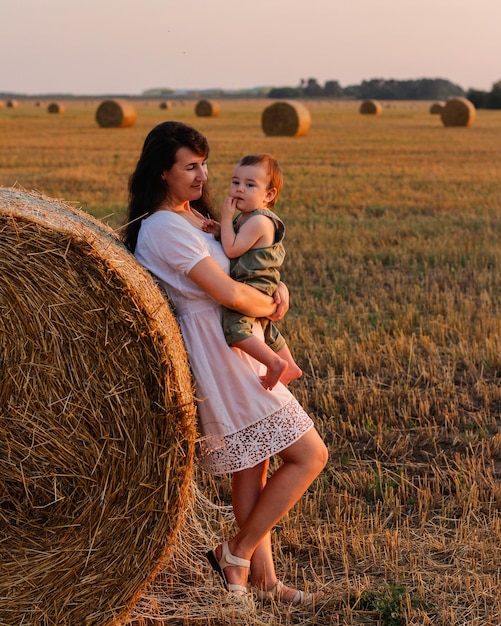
(94, 47)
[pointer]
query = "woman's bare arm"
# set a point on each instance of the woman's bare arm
(234, 295)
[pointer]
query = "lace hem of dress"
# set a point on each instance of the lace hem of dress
(253, 444)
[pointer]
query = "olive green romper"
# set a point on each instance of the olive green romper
(260, 268)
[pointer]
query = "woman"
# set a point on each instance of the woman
(241, 423)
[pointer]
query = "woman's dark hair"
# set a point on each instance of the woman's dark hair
(147, 189)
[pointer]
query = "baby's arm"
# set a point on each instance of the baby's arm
(228, 235)
(258, 231)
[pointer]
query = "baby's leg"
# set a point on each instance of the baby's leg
(275, 364)
(293, 370)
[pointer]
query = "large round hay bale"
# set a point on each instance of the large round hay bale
(116, 114)
(165, 105)
(458, 112)
(286, 118)
(97, 422)
(55, 107)
(12, 104)
(436, 108)
(370, 107)
(207, 108)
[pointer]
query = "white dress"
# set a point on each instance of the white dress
(241, 423)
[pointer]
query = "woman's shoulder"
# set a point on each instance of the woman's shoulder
(162, 216)
(165, 223)
(167, 238)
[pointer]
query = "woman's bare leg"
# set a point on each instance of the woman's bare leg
(246, 490)
(302, 462)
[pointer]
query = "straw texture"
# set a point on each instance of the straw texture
(286, 119)
(207, 108)
(436, 108)
(458, 112)
(97, 421)
(55, 107)
(370, 107)
(116, 114)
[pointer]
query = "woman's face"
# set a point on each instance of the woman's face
(186, 177)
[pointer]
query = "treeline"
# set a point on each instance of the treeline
(377, 88)
(381, 89)
(486, 99)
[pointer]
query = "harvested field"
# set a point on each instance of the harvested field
(393, 262)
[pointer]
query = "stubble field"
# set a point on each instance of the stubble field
(393, 262)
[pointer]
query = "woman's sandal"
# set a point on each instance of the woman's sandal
(228, 560)
(301, 598)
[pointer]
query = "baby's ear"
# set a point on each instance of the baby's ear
(271, 195)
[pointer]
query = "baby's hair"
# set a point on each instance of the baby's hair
(273, 169)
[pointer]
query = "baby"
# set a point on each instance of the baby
(253, 242)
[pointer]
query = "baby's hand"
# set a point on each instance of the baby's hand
(229, 207)
(212, 227)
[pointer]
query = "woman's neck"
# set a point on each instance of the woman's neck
(169, 205)
(185, 210)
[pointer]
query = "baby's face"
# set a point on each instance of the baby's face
(249, 186)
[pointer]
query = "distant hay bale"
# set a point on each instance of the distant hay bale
(458, 112)
(370, 107)
(1, 105)
(286, 118)
(55, 107)
(12, 104)
(116, 114)
(207, 108)
(436, 108)
(97, 427)
(166, 105)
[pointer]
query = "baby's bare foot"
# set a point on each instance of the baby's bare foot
(273, 373)
(291, 373)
